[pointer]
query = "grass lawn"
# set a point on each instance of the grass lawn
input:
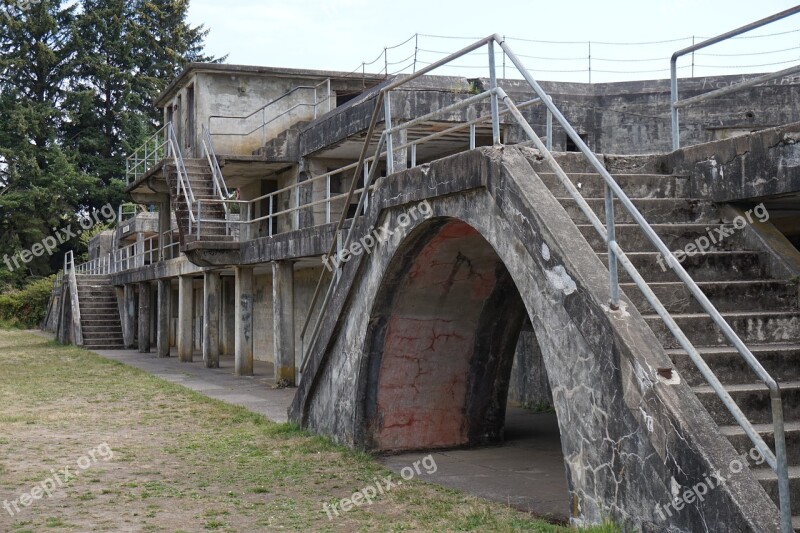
(143, 454)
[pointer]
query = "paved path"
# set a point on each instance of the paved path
(252, 392)
(526, 471)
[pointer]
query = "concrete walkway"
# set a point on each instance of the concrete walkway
(525, 472)
(254, 393)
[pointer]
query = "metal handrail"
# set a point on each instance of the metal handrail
(673, 62)
(216, 173)
(329, 200)
(263, 109)
(183, 184)
(145, 156)
(778, 460)
(127, 257)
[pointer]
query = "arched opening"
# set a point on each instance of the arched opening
(442, 339)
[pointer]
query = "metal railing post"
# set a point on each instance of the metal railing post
(413, 155)
(387, 117)
(613, 276)
(328, 199)
(270, 216)
(549, 127)
(472, 136)
(673, 92)
(495, 107)
(199, 217)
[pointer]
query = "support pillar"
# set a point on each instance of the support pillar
(244, 321)
(283, 318)
(400, 155)
(212, 302)
(164, 225)
(185, 300)
(144, 317)
(129, 317)
(164, 312)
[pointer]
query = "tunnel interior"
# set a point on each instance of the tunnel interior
(442, 340)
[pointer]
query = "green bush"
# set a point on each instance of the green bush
(25, 308)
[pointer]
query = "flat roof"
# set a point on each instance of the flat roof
(223, 68)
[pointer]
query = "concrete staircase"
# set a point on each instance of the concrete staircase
(200, 178)
(285, 146)
(764, 311)
(100, 321)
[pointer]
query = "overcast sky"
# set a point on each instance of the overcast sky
(341, 34)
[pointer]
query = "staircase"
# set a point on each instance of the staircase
(213, 227)
(763, 311)
(100, 321)
(285, 147)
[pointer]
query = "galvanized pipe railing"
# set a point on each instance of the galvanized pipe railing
(145, 156)
(776, 460)
(183, 186)
(263, 110)
(673, 63)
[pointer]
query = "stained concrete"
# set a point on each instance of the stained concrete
(526, 471)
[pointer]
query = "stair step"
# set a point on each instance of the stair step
(109, 346)
(781, 361)
(675, 236)
(743, 445)
(752, 327)
(654, 210)
(711, 266)
(727, 296)
(754, 401)
(635, 185)
(769, 480)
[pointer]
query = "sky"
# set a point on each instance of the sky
(341, 34)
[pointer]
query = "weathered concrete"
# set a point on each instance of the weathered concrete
(749, 167)
(244, 321)
(164, 315)
(627, 440)
(129, 316)
(212, 303)
(283, 316)
(144, 317)
(185, 312)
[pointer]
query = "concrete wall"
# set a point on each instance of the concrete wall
(628, 440)
(634, 117)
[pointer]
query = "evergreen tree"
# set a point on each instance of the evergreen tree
(77, 86)
(40, 186)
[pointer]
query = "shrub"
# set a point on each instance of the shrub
(25, 308)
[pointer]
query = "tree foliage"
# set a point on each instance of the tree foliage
(77, 85)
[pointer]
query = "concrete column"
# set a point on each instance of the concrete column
(283, 318)
(129, 317)
(400, 155)
(164, 224)
(164, 301)
(139, 261)
(185, 297)
(212, 302)
(244, 321)
(144, 317)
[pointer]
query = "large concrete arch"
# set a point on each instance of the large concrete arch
(441, 340)
(631, 440)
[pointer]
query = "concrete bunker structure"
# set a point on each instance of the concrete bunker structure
(488, 286)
